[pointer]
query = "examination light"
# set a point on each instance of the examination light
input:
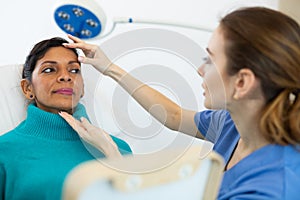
(86, 19)
(81, 18)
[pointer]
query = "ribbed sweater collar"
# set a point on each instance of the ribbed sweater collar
(42, 124)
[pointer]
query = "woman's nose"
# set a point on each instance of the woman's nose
(64, 76)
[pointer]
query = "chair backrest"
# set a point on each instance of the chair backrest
(12, 102)
(130, 178)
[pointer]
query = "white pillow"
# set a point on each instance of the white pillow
(13, 104)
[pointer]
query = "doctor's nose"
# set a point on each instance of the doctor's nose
(200, 70)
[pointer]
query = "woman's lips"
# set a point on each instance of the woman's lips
(65, 91)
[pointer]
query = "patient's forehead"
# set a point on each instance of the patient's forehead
(58, 54)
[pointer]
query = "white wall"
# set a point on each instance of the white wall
(23, 23)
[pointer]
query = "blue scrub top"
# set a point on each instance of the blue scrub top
(271, 172)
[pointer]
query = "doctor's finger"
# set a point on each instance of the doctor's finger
(74, 38)
(88, 49)
(75, 124)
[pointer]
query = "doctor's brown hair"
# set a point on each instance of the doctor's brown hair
(268, 43)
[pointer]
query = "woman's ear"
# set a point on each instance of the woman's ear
(246, 83)
(27, 89)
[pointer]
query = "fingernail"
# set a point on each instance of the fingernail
(80, 58)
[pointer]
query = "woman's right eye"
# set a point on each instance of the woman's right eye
(48, 70)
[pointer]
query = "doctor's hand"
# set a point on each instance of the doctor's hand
(93, 135)
(93, 54)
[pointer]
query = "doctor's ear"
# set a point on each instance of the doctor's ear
(246, 83)
(27, 89)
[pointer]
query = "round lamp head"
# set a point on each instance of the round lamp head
(83, 19)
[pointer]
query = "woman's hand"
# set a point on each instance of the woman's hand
(93, 54)
(93, 135)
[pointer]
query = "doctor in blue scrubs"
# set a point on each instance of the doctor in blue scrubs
(252, 92)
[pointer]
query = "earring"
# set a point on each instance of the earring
(236, 96)
(31, 96)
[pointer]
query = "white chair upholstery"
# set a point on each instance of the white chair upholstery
(12, 102)
(189, 177)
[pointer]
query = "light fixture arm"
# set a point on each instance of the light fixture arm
(86, 20)
(162, 22)
(128, 20)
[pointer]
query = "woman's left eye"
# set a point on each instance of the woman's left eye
(75, 71)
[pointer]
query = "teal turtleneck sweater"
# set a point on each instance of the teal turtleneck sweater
(37, 155)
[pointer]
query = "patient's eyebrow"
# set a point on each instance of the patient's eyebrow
(55, 62)
(48, 62)
(75, 61)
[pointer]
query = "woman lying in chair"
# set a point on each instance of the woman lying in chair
(37, 155)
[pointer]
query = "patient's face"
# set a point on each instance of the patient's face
(57, 81)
